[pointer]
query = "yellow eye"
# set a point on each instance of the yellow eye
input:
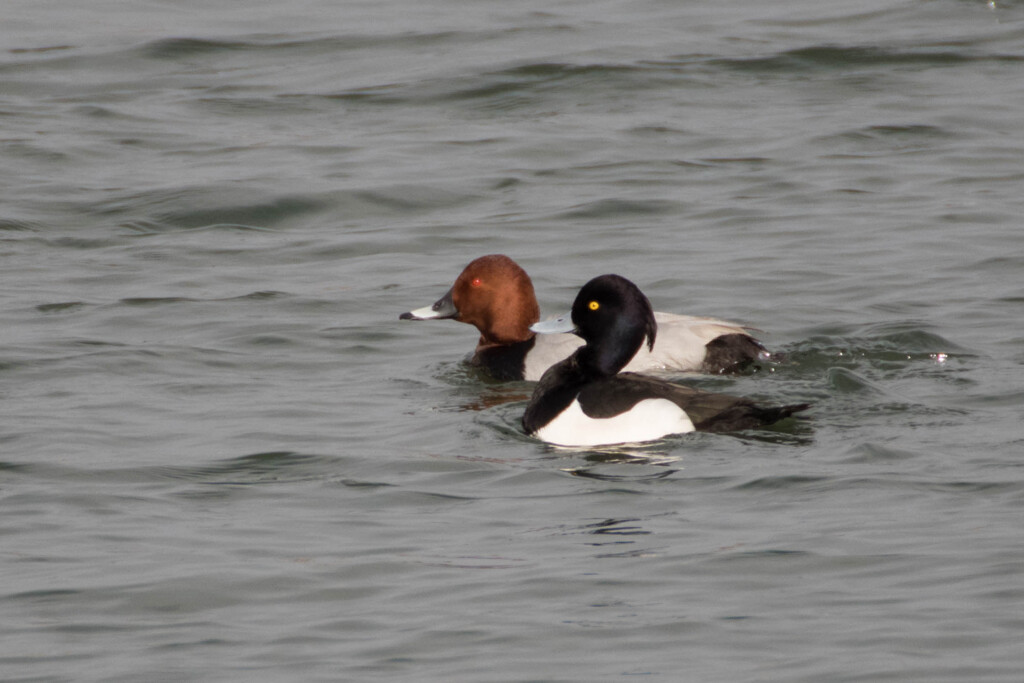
(593, 305)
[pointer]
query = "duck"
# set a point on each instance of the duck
(585, 400)
(495, 295)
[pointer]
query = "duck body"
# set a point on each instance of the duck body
(584, 401)
(495, 295)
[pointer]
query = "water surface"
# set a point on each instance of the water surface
(224, 458)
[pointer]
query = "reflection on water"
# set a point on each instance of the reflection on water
(620, 462)
(617, 527)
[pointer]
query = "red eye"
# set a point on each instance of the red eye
(476, 282)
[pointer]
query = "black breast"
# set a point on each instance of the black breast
(557, 388)
(504, 361)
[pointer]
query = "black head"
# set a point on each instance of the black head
(614, 317)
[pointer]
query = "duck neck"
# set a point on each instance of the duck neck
(511, 324)
(612, 352)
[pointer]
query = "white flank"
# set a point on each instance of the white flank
(649, 419)
(679, 346)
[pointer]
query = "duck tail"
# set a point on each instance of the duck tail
(748, 415)
(773, 415)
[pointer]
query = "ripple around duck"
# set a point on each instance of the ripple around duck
(832, 484)
(14, 225)
(622, 472)
(879, 453)
(895, 346)
(830, 58)
(258, 468)
(253, 469)
(278, 46)
(846, 381)
(249, 213)
(605, 209)
(506, 90)
(61, 307)
(228, 210)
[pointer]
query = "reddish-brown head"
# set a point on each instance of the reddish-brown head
(496, 296)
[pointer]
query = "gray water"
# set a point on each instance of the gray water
(224, 458)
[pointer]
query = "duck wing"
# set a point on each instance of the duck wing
(698, 344)
(708, 411)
